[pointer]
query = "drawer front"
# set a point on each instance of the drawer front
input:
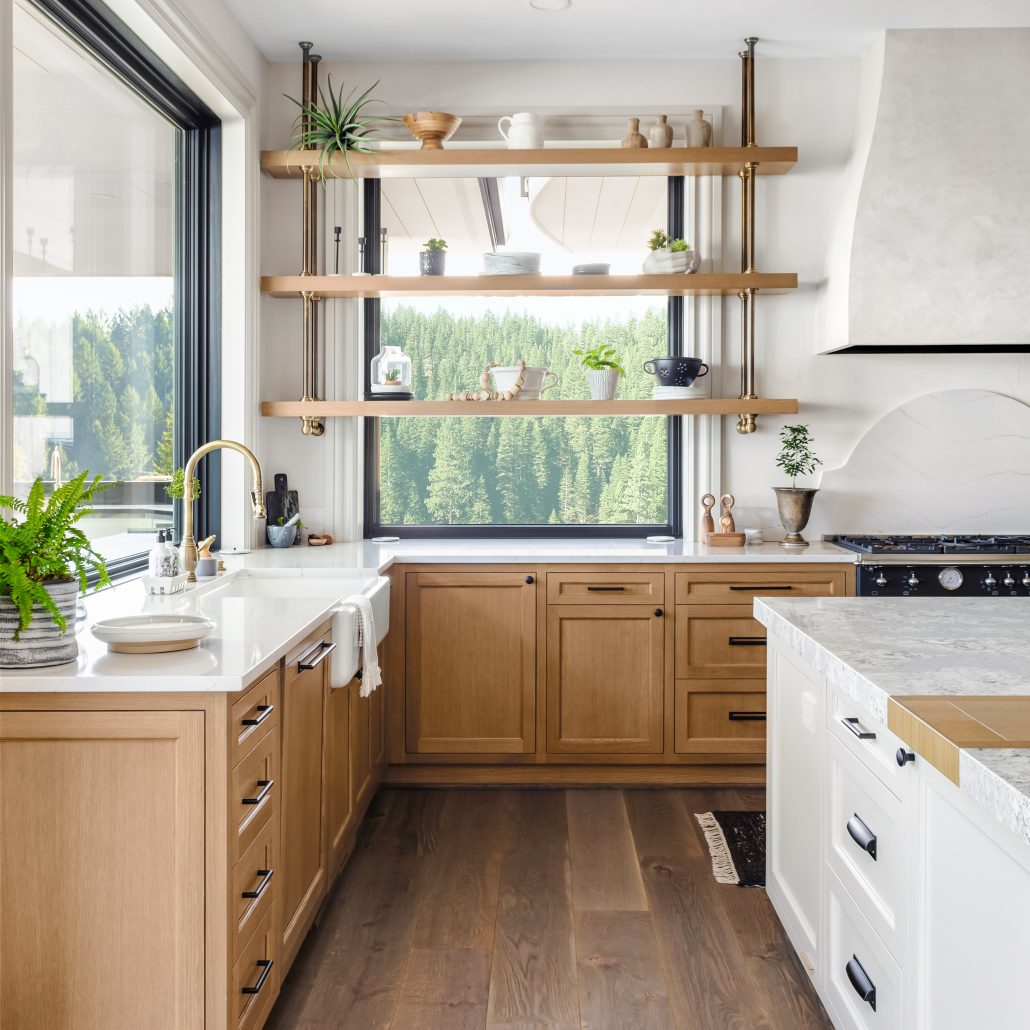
(253, 883)
(605, 588)
(870, 848)
(255, 977)
(858, 962)
(743, 587)
(253, 715)
(719, 641)
(255, 793)
(719, 717)
(869, 741)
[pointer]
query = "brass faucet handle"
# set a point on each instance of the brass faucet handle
(258, 504)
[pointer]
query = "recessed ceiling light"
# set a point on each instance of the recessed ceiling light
(550, 5)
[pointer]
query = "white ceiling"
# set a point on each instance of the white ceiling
(506, 29)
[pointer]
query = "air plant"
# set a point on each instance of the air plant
(337, 124)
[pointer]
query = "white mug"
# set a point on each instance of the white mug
(525, 132)
(535, 380)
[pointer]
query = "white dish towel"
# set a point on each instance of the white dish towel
(364, 637)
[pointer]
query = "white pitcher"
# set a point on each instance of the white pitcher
(525, 131)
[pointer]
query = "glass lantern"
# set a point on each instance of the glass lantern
(391, 375)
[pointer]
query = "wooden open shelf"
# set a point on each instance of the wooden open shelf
(720, 283)
(454, 162)
(566, 409)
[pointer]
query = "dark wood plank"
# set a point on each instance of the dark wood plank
(709, 982)
(785, 984)
(533, 981)
(620, 976)
(459, 907)
(605, 871)
(444, 990)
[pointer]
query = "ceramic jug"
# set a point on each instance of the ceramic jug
(699, 131)
(525, 131)
(660, 134)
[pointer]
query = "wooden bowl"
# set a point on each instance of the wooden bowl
(432, 127)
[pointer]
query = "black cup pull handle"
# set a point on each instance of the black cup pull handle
(266, 786)
(606, 590)
(864, 987)
(265, 964)
(851, 723)
(266, 876)
(862, 835)
(747, 716)
(264, 712)
(747, 641)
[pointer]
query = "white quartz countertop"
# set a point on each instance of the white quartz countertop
(872, 648)
(368, 555)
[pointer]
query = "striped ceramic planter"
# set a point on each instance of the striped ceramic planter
(43, 643)
(603, 383)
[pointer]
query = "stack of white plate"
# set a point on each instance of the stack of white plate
(673, 393)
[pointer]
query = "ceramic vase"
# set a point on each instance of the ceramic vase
(603, 383)
(699, 131)
(668, 262)
(44, 642)
(635, 139)
(525, 131)
(431, 262)
(660, 134)
(795, 508)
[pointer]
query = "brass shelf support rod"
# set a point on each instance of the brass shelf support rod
(746, 422)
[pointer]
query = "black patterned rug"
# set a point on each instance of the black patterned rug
(736, 842)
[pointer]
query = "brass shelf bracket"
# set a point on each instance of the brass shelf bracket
(747, 421)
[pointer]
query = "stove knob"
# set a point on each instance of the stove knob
(881, 580)
(913, 580)
(990, 582)
(1026, 579)
(1008, 580)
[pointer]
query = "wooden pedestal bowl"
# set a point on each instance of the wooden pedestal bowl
(432, 127)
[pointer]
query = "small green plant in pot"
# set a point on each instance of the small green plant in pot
(433, 257)
(45, 560)
(794, 502)
(604, 368)
(668, 255)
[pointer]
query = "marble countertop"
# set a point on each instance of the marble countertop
(874, 648)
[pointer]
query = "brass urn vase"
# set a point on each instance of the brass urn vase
(795, 507)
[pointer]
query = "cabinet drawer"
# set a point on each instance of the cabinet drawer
(719, 641)
(605, 588)
(253, 715)
(743, 587)
(870, 848)
(252, 883)
(855, 948)
(255, 977)
(716, 716)
(255, 793)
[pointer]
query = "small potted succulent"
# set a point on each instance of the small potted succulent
(669, 255)
(795, 502)
(45, 559)
(604, 368)
(433, 257)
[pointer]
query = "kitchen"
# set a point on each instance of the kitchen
(545, 812)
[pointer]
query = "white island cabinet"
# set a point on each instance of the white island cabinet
(906, 895)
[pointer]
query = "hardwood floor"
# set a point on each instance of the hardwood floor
(512, 909)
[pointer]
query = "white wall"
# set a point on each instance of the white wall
(810, 103)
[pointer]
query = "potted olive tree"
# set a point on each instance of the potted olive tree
(604, 370)
(45, 560)
(432, 258)
(795, 502)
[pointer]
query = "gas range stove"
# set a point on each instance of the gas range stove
(941, 566)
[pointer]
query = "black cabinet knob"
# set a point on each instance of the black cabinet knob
(658, 612)
(904, 756)
(529, 579)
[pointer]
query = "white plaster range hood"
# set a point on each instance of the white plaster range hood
(933, 246)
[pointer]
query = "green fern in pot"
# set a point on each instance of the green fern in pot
(45, 560)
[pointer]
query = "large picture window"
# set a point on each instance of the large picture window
(114, 304)
(522, 476)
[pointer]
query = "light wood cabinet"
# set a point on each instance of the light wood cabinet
(605, 679)
(340, 811)
(470, 662)
(719, 641)
(102, 842)
(720, 717)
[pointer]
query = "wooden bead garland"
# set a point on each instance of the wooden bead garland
(485, 393)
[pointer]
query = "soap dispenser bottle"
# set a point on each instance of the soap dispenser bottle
(156, 554)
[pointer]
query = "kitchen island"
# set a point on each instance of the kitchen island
(898, 851)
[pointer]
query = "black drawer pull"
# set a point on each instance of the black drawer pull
(266, 876)
(605, 590)
(265, 710)
(266, 967)
(852, 724)
(530, 580)
(266, 786)
(864, 987)
(862, 835)
(747, 716)
(323, 649)
(902, 757)
(747, 641)
(762, 586)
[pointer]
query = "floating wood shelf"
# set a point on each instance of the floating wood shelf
(454, 162)
(720, 283)
(566, 409)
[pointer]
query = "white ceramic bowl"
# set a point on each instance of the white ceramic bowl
(139, 631)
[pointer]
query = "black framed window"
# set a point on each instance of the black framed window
(116, 288)
(439, 477)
